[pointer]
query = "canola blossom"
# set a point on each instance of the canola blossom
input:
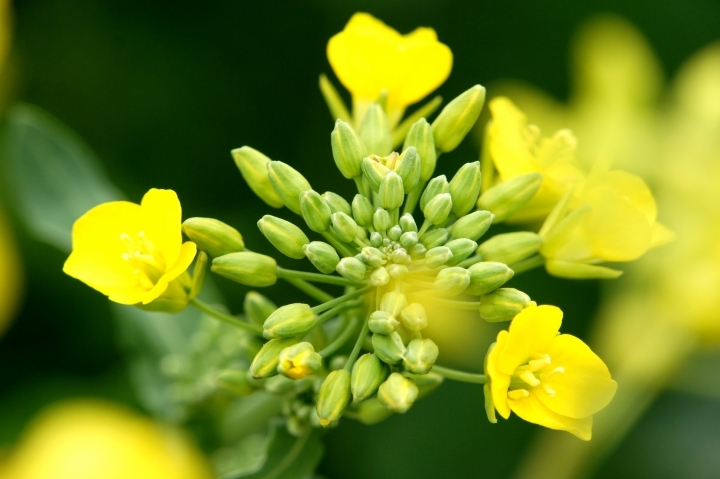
(132, 253)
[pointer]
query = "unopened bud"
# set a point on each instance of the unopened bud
(407, 223)
(575, 270)
(299, 360)
(344, 227)
(362, 210)
(487, 276)
(502, 304)
(235, 381)
(288, 184)
(376, 239)
(397, 271)
(371, 411)
(462, 249)
(426, 383)
(375, 131)
(374, 172)
(437, 256)
(465, 188)
(315, 211)
(285, 236)
(418, 251)
(393, 303)
(457, 119)
(322, 256)
(373, 257)
(333, 397)
(289, 320)
(337, 203)
(408, 239)
(391, 192)
(368, 374)
(400, 256)
(472, 226)
(436, 186)
(510, 248)
(251, 269)
(348, 149)
(380, 277)
(389, 347)
(382, 322)
(253, 168)
(438, 209)
(408, 167)
(381, 220)
(394, 233)
(452, 281)
(420, 356)
(414, 317)
(398, 393)
(352, 269)
(421, 137)
(266, 361)
(213, 236)
(506, 198)
(437, 237)
(257, 307)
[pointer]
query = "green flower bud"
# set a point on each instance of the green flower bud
(426, 383)
(502, 304)
(414, 317)
(381, 220)
(408, 167)
(289, 320)
(437, 256)
(322, 256)
(421, 137)
(257, 307)
(452, 281)
(371, 411)
(437, 237)
(285, 236)
(253, 168)
(235, 381)
(487, 276)
(509, 248)
(393, 303)
(368, 374)
(420, 356)
(506, 198)
(408, 239)
(438, 209)
(213, 236)
(352, 269)
(382, 322)
(400, 256)
(465, 188)
(251, 269)
(388, 347)
(373, 257)
(418, 251)
(266, 361)
(457, 119)
(315, 211)
(398, 393)
(391, 192)
(395, 232)
(407, 223)
(375, 131)
(397, 271)
(374, 172)
(376, 239)
(472, 226)
(362, 210)
(337, 203)
(299, 360)
(361, 233)
(333, 397)
(348, 149)
(344, 227)
(462, 249)
(380, 277)
(288, 184)
(436, 186)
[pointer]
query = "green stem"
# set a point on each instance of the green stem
(457, 375)
(358, 345)
(309, 289)
(426, 224)
(342, 248)
(316, 277)
(334, 302)
(471, 261)
(528, 264)
(227, 318)
(450, 303)
(337, 343)
(412, 199)
(337, 309)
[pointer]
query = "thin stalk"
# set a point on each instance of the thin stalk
(223, 317)
(316, 277)
(334, 302)
(457, 375)
(450, 303)
(342, 248)
(412, 199)
(309, 289)
(471, 261)
(426, 224)
(337, 309)
(361, 337)
(342, 338)
(528, 264)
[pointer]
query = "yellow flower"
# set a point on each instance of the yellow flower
(517, 148)
(130, 252)
(547, 378)
(369, 57)
(97, 440)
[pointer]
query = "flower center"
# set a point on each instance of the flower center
(533, 374)
(140, 253)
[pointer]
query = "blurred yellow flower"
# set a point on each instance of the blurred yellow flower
(547, 378)
(517, 148)
(10, 274)
(369, 57)
(97, 440)
(131, 252)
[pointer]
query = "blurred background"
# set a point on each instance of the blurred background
(161, 92)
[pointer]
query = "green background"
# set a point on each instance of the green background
(162, 91)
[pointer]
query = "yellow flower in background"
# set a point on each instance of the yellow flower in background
(369, 57)
(130, 252)
(547, 378)
(517, 148)
(98, 440)
(10, 274)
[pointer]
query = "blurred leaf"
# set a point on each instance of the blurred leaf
(53, 176)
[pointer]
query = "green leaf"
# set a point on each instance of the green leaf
(53, 176)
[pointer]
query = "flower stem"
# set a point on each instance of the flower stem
(340, 339)
(358, 345)
(309, 289)
(450, 303)
(227, 318)
(337, 309)
(334, 302)
(457, 375)
(316, 277)
(528, 264)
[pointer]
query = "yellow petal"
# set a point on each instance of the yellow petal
(185, 258)
(661, 235)
(567, 241)
(531, 332)
(628, 186)
(499, 381)
(162, 223)
(509, 142)
(585, 386)
(532, 410)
